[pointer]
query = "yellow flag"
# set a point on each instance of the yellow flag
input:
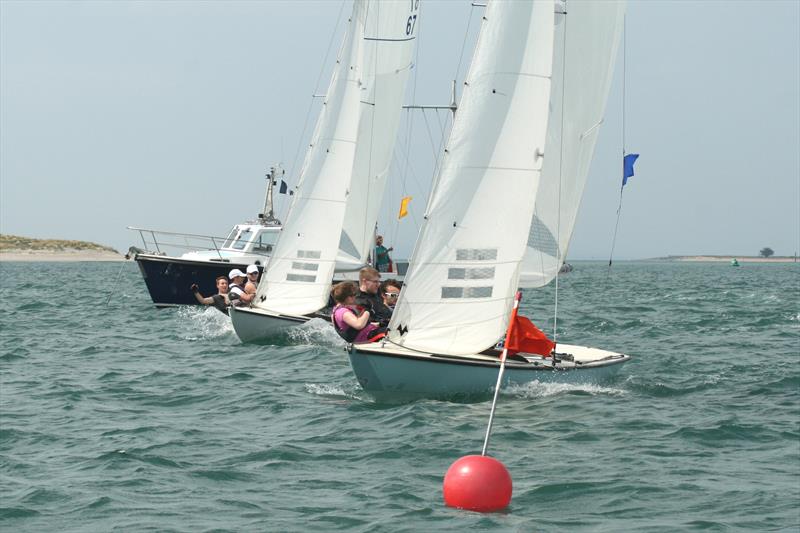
(403, 207)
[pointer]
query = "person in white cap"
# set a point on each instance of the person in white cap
(252, 280)
(236, 293)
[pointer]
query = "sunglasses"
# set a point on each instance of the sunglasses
(391, 294)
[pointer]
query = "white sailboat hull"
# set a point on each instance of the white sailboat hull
(394, 372)
(254, 325)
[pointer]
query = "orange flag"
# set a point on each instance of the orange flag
(523, 336)
(403, 207)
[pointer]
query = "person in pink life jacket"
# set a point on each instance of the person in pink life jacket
(352, 324)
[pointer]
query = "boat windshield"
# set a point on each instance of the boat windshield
(265, 241)
(231, 236)
(242, 239)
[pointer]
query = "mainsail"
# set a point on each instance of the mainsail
(586, 39)
(464, 270)
(298, 276)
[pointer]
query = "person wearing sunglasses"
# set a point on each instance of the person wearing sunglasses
(390, 291)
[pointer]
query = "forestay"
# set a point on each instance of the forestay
(464, 271)
(586, 43)
(389, 34)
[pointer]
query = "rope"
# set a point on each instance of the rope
(300, 142)
(560, 180)
(619, 208)
(114, 286)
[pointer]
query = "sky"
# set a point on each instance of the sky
(166, 115)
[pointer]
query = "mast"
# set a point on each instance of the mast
(267, 214)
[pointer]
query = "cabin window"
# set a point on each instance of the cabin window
(265, 242)
(242, 239)
(231, 237)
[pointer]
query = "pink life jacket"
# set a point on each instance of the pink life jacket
(347, 332)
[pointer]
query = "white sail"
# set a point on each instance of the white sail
(464, 270)
(298, 275)
(389, 35)
(343, 176)
(586, 45)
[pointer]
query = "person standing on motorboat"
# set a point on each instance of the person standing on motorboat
(219, 300)
(236, 292)
(252, 280)
(352, 324)
(382, 260)
(369, 284)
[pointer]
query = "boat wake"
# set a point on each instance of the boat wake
(537, 389)
(317, 332)
(204, 323)
(336, 391)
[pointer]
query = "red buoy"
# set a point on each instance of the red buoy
(477, 483)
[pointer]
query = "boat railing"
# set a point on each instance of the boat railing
(160, 242)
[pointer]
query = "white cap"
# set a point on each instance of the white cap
(252, 268)
(236, 273)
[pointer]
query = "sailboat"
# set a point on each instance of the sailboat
(503, 205)
(330, 224)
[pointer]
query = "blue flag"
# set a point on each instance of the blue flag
(627, 167)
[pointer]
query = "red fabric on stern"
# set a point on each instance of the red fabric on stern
(525, 337)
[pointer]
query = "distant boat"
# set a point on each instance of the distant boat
(565, 268)
(734, 262)
(459, 290)
(169, 277)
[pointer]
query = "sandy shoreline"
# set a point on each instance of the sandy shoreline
(40, 256)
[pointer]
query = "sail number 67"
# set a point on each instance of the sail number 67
(412, 20)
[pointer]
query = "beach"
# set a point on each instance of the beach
(59, 255)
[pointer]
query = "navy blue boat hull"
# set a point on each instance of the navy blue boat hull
(169, 279)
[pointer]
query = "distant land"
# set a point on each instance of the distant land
(728, 258)
(16, 248)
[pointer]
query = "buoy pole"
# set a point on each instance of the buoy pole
(517, 298)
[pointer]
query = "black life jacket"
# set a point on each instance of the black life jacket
(219, 303)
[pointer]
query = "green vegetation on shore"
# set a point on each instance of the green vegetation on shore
(10, 243)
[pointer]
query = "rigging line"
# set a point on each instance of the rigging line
(114, 286)
(430, 137)
(300, 142)
(410, 170)
(372, 126)
(409, 127)
(464, 43)
(560, 181)
(619, 208)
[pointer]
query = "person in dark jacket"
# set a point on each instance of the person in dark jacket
(219, 300)
(368, 297)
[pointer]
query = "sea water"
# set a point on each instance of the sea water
(115, 415)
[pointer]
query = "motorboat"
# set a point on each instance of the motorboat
(169, 274)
